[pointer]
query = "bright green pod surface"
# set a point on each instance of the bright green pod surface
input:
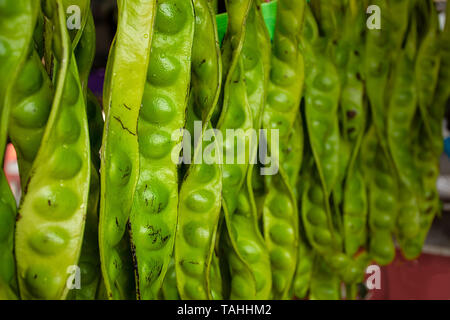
(247, 237)
(155, 208)
(236, 114)
(325, 284)
(382, 198)
(31, 106)
(200, 194)
(52, 214)
(17, 20)
(124, 87)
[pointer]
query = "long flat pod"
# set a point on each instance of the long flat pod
(248, 238)
(236, 114)
(154, 214)
(282, 104)
(201, 191)
(127, 69)
(52, 214)
(17, 20)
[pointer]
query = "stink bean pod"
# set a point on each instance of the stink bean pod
(247, 236)
(401, 112)
(382, 188)
(31, 104)
(322, 92)
(53, 211)
(124, 87)
(236, 114)
(199, 209)
(200, 194)
(325, 285)
(280, 213)
(427, 163)
(154, 213)
(17, 21)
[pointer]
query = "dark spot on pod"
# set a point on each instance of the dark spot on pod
(351, 114)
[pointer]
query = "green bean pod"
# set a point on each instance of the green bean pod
(124, 87)
(402, 109)
(248, 239)
(236, 114)
(287, 70)
(303, 273)
(355, 209)
(215, 279)
(199, 209)
(53, 211)
(325, 284)
(154, 213)
(200, 194)
(31, 104)
(427, 68)
(377, 66)
(89, 261)
(382, 188)
(322, 92)
(169, 290)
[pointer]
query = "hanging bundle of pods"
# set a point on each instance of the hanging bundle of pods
(275, 163)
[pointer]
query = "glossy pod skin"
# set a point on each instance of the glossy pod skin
(427, 66)
(382, 186)
(377, 64)
(249, 241)
(322, 90)
(17, 20)
(402, 109)
(353, 116)
(154, 214)
(125, 80)
(287, 70)
(52, 213)
(429, 204)
(89, 261)
(280, 213)
(32, 102)
(236, 114)
(325, 285)
(201, 191)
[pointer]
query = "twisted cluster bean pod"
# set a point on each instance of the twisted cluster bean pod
(200, 194)
(427, 69)
(429, 205)
(89, 261)
(402, 109)
(382, 188)
(325, 285)
(322, 91)
(53, 211)
(280, 215)
(17, 21)
(303, 273)
(124, 87)
(155, 208)
(31, 107)
(377, 64)
(249, 241)
(236, 114)
(353, 115)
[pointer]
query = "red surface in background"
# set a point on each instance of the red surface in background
(426, 278)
